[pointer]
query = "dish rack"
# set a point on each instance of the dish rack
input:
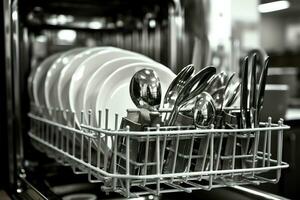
(161, 159)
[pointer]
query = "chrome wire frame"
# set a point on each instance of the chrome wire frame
(134, 163)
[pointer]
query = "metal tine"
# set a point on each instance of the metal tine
(219, 152)
(90, 140)
(82, 137)
(100, 118)
(265, 146)
(269, 141)
(67, 132)
(146, 158)
(163, 154)
(73, 124)
(106, 118)
(127, 161)
(190, 154)
(279, 149)
(205, 151)
(175, 155)
(62, 133)
(116, 121)
(48, 133)
(116, 125)
(57, 129)
(99, 140)
(51, 130)
(211, 160)
(233, 153)
(106, 140)
(115, 146)
(255, 149)
(158, 159)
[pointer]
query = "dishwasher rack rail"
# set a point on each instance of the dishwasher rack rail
(162, 159)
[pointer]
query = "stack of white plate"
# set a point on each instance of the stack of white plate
(95, 79)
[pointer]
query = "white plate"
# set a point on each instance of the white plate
(38, 80)
(52, 76)
(66, 74)
(95, 82)
(114, 92)
(84, 72)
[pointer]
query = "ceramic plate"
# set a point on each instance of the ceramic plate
(95, 82)
(51, 97)
(84, 72)
(114, 92)
(38, 80)
(66, 74)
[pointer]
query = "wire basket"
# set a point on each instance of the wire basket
(162, 159)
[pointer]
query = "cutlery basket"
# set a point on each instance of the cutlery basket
(164, 159)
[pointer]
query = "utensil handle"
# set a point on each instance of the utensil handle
(173, 116)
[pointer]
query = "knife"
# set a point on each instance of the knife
(244, 93)
(253, 88)
(262, 85)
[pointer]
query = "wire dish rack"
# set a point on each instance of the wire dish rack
(161, 159)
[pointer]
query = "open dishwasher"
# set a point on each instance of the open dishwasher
(47, 157)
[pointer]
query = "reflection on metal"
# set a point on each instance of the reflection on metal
(16, 81)
(7, 4)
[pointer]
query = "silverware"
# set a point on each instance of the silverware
(253, 91)
(195, 86)
(217, 81)
(244, 94)
(177, 84)
(232, 95)
(262, 85)
(226, 90)
(192, 88)
(145, 89)
(204, 110)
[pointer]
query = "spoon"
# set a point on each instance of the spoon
(232, 95)
(226, 89)
(217, 82)
(145, 89)
(177, 84)
(205, 110)
(192, 88)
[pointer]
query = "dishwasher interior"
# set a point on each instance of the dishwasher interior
(162, 30)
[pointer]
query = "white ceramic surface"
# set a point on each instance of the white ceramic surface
(66, 74)
(38, 80)
(84, 72)
(51, 97)
(95, 82)
(114, 92)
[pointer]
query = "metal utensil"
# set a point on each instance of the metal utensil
(145, 89)
(226, 89)
(244, 94)
(192, 88)
(205, 110)
(177, 84)
(232, 95)
(253, 91)
(216, 82)
(219, 94)
(262, 85)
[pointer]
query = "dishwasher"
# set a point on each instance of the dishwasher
(48, 159)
